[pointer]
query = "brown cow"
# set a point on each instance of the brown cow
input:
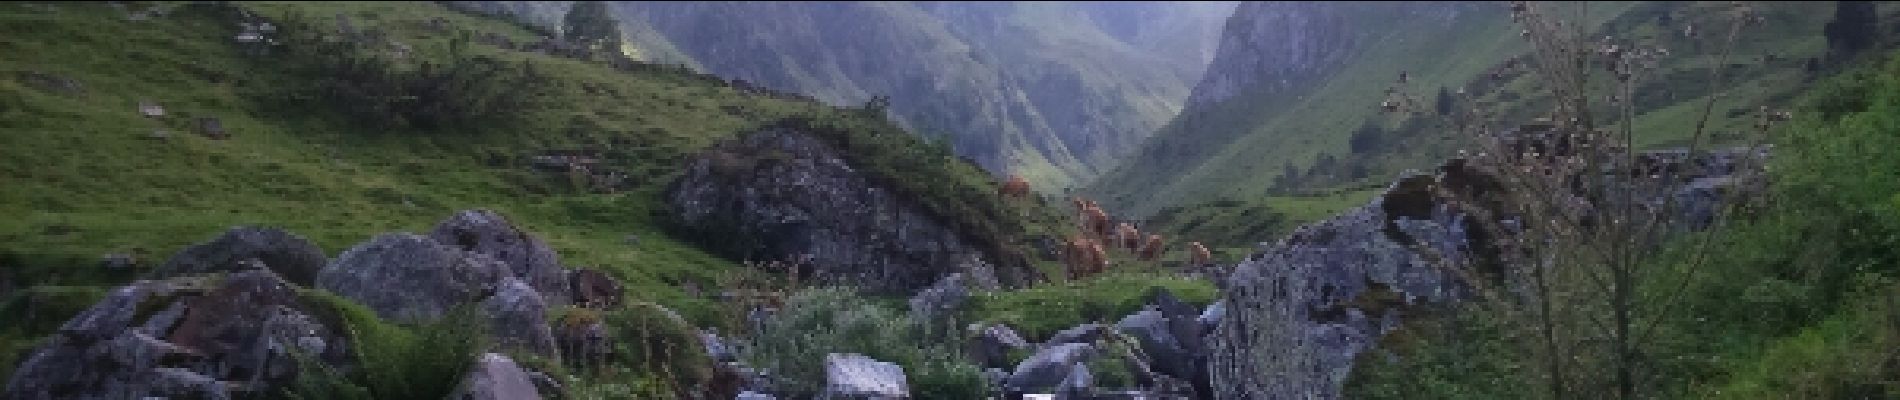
(1129, 237)
(1198, 254)
(1015, 188)
(1152, 250)
(1097, 221)
(1098, 258)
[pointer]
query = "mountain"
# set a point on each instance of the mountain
(1291, 104)
(1055, 92)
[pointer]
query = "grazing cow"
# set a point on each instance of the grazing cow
(1083, 257)
(1130, 237)
(1098, 258)
(1198, 254)
(1097, 222)
(1015, 188)
(1152, 250)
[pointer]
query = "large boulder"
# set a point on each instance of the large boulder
(854, 376)
(291, 256)
(519, 318)
(785, 194)
(1049, 367)
(194, 337)
(496, 377)
(488, 233)
(408, 277)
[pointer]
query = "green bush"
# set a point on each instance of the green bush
(650, 341)
(817, 322)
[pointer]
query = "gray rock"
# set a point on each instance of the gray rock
(854, 376)
(407, 277)
(1156, 336)
(751, 395)
(1079, 385)
(940, 299)
(488, 233)
(117, 261)
(783, 194)
(520, 318)
(1084, 333)
(291, 256)
(1212, 316)
(1049, 367)
(992, 343)
(496, 377)
(717, 348)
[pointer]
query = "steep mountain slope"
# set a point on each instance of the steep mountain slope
(1297, 109)
(1018, 87)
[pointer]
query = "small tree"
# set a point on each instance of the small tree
(1578, 210)
(1854, 27)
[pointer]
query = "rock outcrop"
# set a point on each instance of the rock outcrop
(291, 256)
(206, 337)
(781, 194)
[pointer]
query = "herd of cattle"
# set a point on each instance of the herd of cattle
(1085, 253)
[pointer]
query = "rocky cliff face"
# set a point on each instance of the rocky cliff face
(1275, 46)
(780, 194)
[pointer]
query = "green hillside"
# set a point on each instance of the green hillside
(85, 174)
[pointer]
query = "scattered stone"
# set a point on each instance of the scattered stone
(751, 395)
(496, 377)
(854, 376)
(151, 109)
(992, 344)
(716, 347)
(939, 299)
(631, 240)
(118, 261)
(1048, 367)
(1078, 385)
(159, 135)
(1084, 333)
(51, 83)
(212, 128)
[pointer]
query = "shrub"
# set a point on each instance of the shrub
(815, 322)
(395, 362)
(651, 341)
